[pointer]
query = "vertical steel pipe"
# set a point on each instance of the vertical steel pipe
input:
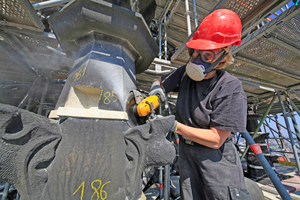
(159, 40)
(160, 176)
(281, 135)
(188, 17)
(289, 131)
(167, 182)
(161, 188)
(288, 100)
(166, 39)
(195, 13)
(42, 101)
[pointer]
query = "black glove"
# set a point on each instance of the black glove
(173, 122)
(157, 90)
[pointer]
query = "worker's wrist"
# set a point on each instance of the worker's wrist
(155, 85)
(175, 126)
(157, 90)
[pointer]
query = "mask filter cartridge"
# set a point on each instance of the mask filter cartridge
(195, 69)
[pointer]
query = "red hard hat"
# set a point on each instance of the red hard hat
(219, 29)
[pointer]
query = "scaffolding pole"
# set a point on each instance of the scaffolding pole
(268, 169)
(289, 130)
(159, 38)
(272, 132)
(282, 144)
(260, 124)
(29, 93)
(47, 4)
(288, 100)
(165, 39)
(42, 101)
(188, 17)
(281, 135)
(295, 107)
(195, 13)
(167, 182)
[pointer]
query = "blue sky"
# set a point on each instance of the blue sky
(290, 4)
(282, 122)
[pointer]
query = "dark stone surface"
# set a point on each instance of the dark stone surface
(74, 158)
(77, 22)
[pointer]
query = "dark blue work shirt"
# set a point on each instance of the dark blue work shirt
(224, 106)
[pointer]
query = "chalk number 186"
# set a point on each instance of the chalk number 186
(99, 192)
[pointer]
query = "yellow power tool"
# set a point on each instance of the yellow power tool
(148, 105)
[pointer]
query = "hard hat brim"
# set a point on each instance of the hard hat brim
(208, 45)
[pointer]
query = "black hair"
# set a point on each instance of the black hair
(191, 51)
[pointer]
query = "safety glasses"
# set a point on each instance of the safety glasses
(210, 56)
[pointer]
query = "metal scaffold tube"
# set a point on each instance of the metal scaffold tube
(295, 107)
(293, 117)
(260, 124)
(188, 18)
(42, 101)
(167, 182)
(173, 11)
(47, 4)
(276, 139)
(166, 39)
(268, 169)
(159, 38)
(282, 144)
(161, 169)
(29, 93)
(161, 191)
(195, 13)
(289, 131)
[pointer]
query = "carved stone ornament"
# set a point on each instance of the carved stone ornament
(77, 158)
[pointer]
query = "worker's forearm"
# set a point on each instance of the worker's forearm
(213, 138)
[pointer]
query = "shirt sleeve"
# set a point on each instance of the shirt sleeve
(171, 82)
(230, 109)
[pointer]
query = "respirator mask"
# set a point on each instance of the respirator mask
(202, 65)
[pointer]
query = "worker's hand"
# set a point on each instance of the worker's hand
(163, 124)
(157, 90)
(173, 123)
(150, 138)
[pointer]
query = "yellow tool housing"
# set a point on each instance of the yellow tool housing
(147, 105)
